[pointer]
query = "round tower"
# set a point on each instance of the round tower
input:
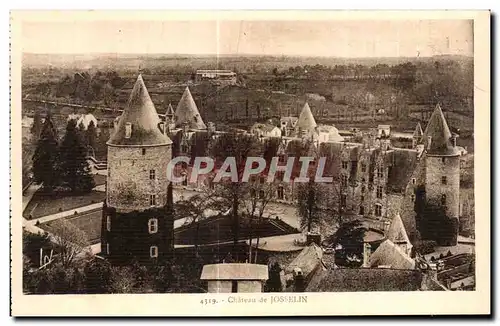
(442, 165)
(136, 220)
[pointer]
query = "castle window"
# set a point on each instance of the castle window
(344, 180)
(143, 151)
(152, 200)
(444, 180)
(281, 193)
(412, 197)
(380, 172)
(345, 164)
(363, 167)
(361, 210)
(262, 194)
(108, 223)
(343, 201)
(153, 251)
(380, 191)
(153, 225)
(443, 200)
(152, 174)
(413, 181)
(443, 159)
(378, 210)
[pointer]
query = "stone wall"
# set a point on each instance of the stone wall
(129, 185)
(435, 170)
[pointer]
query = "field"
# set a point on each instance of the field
(89, 222)
(45, 204)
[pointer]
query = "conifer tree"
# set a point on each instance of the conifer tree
(45, 157)
(36, 127)
(91, 135)
(75, 170)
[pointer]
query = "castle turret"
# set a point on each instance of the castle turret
(306, 123)
(417, 135)
(442, 165)
(136, 223)
(187, 112)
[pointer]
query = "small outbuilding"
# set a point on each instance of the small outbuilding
(235, 277)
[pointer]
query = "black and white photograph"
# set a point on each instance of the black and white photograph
(230, 157)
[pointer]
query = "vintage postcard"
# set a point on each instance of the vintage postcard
(250, 163)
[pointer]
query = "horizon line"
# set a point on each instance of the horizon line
(242, 55)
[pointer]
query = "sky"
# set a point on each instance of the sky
(334, 38)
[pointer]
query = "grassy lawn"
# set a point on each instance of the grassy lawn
(46, 204)
(90, 223)
(99, 179)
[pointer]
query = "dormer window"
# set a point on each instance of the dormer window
(128, 130)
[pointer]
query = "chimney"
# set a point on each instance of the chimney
(367, 251)
(429, 141)
(128, 130)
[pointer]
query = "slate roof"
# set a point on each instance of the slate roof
(187, 112)
(438, 130)
(365, 279)
(418, 131)
(388, 254)
(397, 231)
(234, 272)
(306, 119)
(141, 113)
(308, 261)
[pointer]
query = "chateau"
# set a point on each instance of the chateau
(386, 186)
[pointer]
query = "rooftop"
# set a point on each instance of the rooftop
(140, 112)
(187, 112)
(440, 135)
(234, 271)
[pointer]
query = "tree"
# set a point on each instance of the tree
(45, 169)
(197, 208)
(32, 243)
(36, 126)
(350, 236)
(238, 146)
(91, 135)
(97, 274)
(69, 240)
(273, 284)
(310, 198)
(257, 196)
(75, 170)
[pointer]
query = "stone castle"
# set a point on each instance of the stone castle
(375, 181)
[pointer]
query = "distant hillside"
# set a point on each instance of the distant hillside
(239, 62)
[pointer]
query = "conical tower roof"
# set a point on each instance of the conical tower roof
(418, 131)
(397, 232)
(187, 112)
(437, 129)
(170, 111)
(306, 119)
(140, 112)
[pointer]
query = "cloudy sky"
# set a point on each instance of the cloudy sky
(336, 38)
